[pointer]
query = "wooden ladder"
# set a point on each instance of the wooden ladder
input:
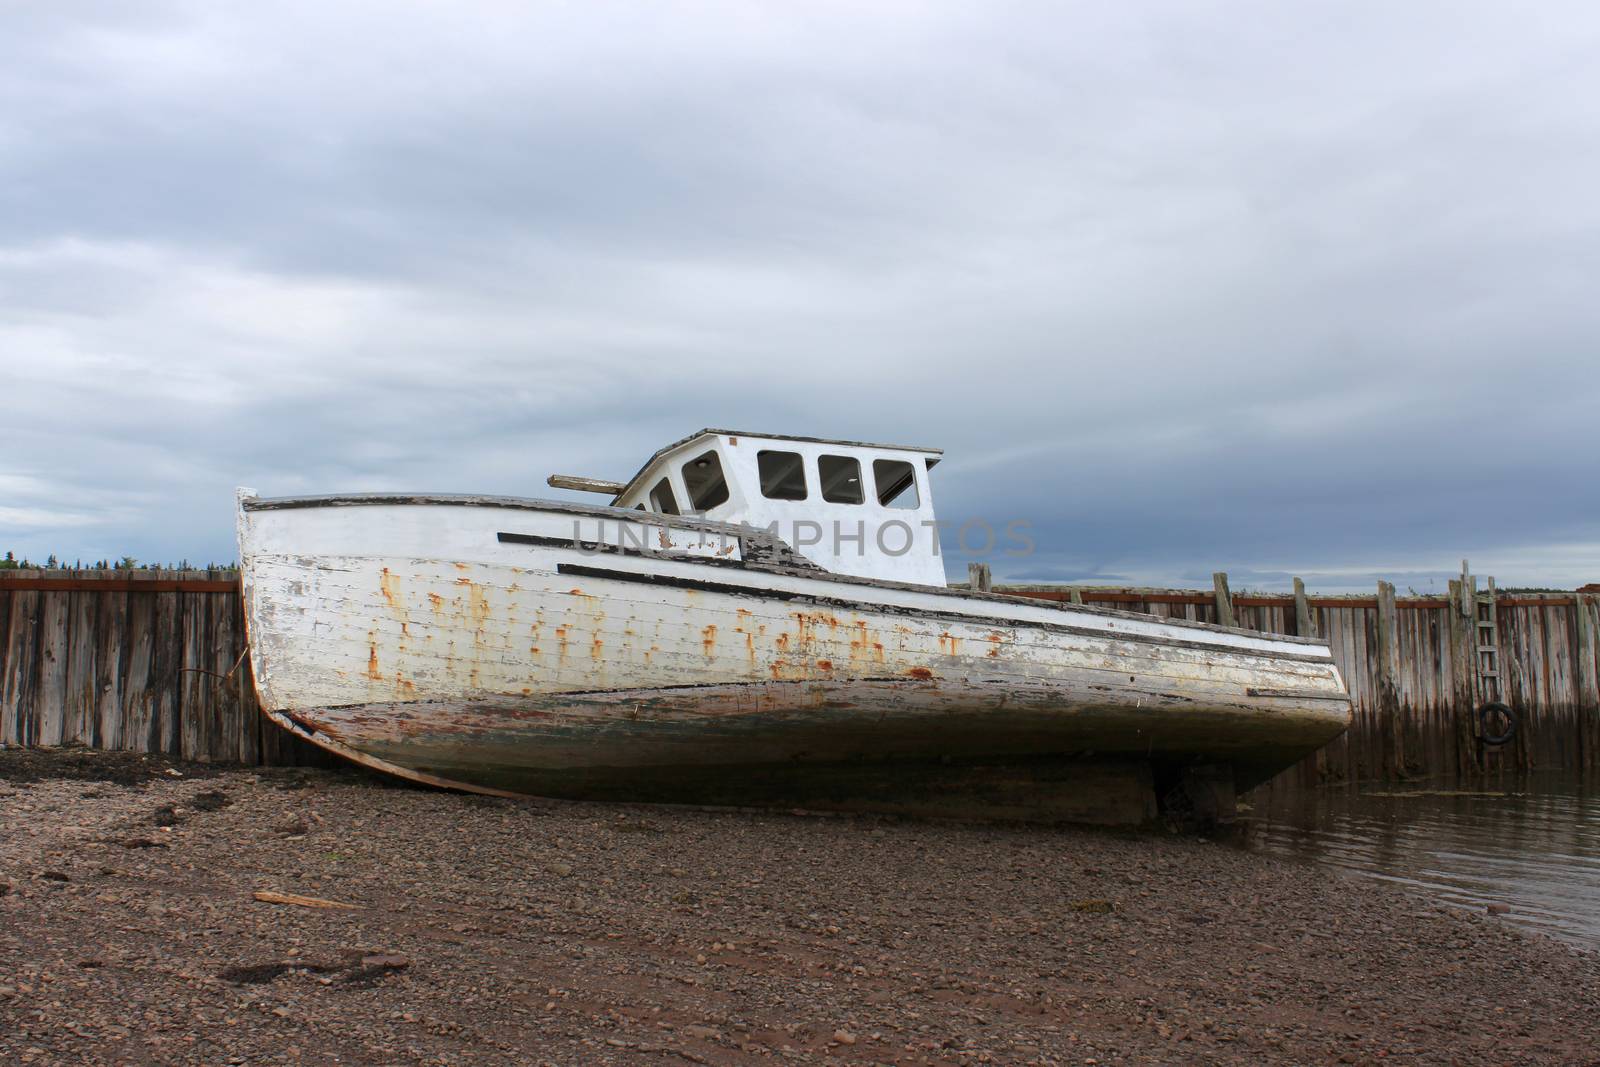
(1490, 680)
(1491, 677)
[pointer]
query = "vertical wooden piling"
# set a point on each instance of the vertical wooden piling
(1464, 673)
(228, 728)
(1076, 595)
(17, 699)
(166, 681)
(78, 723)
(1219, 583)
(52, 709)
(1305, 624)
(1588, 682)
(1388, 686)
(978, 578)
(111, 669)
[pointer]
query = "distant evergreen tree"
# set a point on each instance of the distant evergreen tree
(9, 561)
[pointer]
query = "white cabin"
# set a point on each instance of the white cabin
(847, 506)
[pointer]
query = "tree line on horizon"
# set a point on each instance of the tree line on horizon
(127, 563)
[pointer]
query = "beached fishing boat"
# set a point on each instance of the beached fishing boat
(752, 619)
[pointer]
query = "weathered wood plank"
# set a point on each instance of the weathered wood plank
(979, 578)
(194, 702)
(17, 694)
(252, 746)
(1588, 725)
(138, 697)
(1463, 681)
(111, 670)
(50, 711)
(1304, 623)
(5, 643)
(1388, 655)
(225, 740)
(1587, 675)
(581, 484)
(1224, 600)
(81, 703)
(165, 683)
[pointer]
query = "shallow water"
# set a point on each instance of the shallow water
(1531, 843)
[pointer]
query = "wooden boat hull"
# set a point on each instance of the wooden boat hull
(480, 645)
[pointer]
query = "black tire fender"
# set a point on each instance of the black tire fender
(1486, 716)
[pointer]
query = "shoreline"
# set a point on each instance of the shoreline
(510, 931)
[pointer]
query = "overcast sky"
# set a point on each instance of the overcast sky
(1281, 288)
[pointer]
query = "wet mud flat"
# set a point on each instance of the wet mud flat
(152, 913)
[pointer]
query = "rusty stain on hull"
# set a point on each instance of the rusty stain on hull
(387, 584)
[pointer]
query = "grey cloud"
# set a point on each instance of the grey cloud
(1287, 289)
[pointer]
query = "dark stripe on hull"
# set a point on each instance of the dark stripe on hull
(603, 548)
(766, 593)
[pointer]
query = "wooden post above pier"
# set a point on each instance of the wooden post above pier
(1219, 582)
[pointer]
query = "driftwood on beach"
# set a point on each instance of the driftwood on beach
(153, 661)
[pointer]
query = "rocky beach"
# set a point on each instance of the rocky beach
(161, 913)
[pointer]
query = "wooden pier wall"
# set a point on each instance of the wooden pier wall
(135, 661)
(1419, 668)
(153, 661)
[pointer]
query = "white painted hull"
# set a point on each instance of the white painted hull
(471, 643)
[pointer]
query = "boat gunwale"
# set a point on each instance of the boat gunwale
(796, 567)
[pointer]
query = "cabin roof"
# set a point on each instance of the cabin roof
(935, 453)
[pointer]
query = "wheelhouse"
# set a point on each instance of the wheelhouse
(847, 506)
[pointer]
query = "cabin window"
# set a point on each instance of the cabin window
(897, 483)
(841, 479)
(662, 500)
(783, 475)
(703, 480)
